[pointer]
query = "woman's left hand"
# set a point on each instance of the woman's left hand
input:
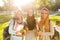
(18, 33)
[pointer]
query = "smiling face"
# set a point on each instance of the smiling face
(30, 12)
(18, 17)
(44, 13)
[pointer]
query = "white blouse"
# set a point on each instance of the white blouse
(20, 27)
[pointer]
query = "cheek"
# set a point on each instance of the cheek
(42, 14)
(30, 14)
(45, 15)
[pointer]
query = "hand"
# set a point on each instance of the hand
(40, 33)
(18, 33)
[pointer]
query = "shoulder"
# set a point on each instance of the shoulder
(51, 22)
(11, 21)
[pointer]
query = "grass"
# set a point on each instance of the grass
(4, 18)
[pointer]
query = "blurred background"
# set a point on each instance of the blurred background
(8, 7)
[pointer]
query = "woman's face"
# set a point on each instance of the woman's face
(44, 14)
(30, 12)
(19, 17)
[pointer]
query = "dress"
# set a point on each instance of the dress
(30, 35)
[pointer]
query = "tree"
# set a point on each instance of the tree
(8, 5)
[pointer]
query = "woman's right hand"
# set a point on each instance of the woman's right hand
(18, 34)
(40, 33)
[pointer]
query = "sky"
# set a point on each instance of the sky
(1, 3)
(17, 2)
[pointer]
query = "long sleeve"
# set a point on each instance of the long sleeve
(57, 29)
(51, 29)
(11, 31)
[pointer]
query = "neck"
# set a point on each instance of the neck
(20, 22)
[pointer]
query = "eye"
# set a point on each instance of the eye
(45, 13)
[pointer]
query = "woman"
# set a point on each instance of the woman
(57, 31)
(16, 27)
(46, 29)
(31, 26)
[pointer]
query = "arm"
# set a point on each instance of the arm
(11, 31)
(57, 29)
(51, 29)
